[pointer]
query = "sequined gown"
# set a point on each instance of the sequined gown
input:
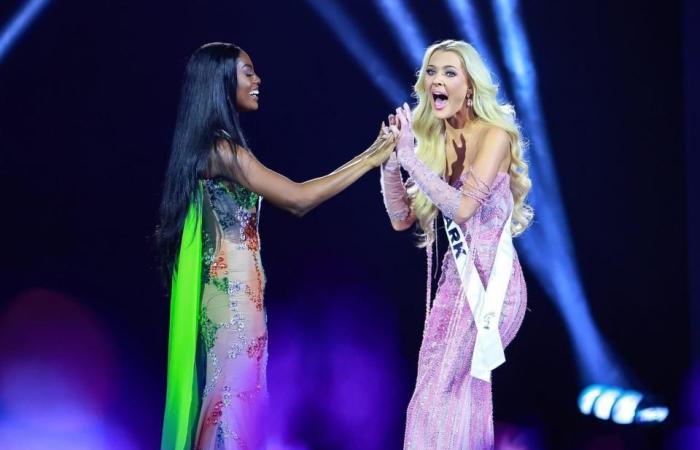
(233, 331)
(450, 409)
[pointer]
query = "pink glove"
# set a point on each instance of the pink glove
(441, 194)
(393, 190)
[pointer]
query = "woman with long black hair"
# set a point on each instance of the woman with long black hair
(208, 238)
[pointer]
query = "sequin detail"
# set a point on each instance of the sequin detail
(442, 195)
(249, 396)
(232, 321)
(394, 194)
(257, 296)
(207, 256)
(221, 284)
(236, 215)
(214, 376)
(215, 415)
(237, 325)
(223, 431)
(207, 329)
(250, 234)
(243, 196)
(257, 347)
(450, 409)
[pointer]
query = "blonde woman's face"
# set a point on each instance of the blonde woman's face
(446, 84)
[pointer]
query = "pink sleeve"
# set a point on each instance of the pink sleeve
(393, 190)
(475, 187)
(441, 194)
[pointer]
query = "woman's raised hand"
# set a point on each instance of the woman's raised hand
(382, 147)
(401, 127)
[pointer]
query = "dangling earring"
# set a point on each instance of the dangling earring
(470, 102)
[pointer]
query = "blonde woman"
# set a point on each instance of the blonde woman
(463, 152)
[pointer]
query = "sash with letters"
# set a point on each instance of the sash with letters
(485, 303)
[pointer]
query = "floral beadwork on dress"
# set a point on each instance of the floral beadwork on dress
(211, 380)
(233, 329)
(257, 347)
(207, 256)
(216, 413)
(207, 329)
(235, 211)
(250, 234)
(249, 396)
(243, 196)
(220, 283)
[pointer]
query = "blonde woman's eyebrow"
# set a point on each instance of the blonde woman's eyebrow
(430, 66)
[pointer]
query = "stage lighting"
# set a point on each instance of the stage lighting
(652, 414)
(19, 23)
(406, 29)
(621, 406)
(547, 247)
(625, 407)
(588, 397)
(604, 404)
(467, 19)
(361, 49)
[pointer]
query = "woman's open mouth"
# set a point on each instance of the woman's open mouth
(439, 100)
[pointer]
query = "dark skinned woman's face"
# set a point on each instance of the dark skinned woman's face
(248, 93)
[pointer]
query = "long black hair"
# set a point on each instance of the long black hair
(207, 114)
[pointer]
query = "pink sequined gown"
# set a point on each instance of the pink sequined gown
(450, 409)
(233, 329)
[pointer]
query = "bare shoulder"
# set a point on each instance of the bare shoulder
(225, 146)
(494, 141)
(494, 145)
(233, 153)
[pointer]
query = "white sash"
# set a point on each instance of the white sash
(485, 304)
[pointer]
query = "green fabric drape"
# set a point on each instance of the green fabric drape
(182, 395)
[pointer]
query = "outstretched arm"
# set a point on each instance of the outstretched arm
(394, 194)
(458, 205)
(299, 198)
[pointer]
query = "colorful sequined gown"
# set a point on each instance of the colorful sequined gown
(233, 330)
(450, 409)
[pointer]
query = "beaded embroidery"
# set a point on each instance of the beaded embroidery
(208, 329)
(257, 347)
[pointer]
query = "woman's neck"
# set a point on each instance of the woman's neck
(458, 132)
(459, 125)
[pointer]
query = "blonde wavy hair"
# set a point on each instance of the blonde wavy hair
(430, 136)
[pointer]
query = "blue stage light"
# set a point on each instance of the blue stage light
(652, 414)
(20, 22)
(468, 22)
(406, 29)
(588, 397)
(621, 406)
(547, 246)
(626, 407)
(602, 408)
(349, 35)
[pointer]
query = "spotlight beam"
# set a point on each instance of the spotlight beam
(547, 245)
(373, 64)
(18, 24)
(468, 22)
(407, 31)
